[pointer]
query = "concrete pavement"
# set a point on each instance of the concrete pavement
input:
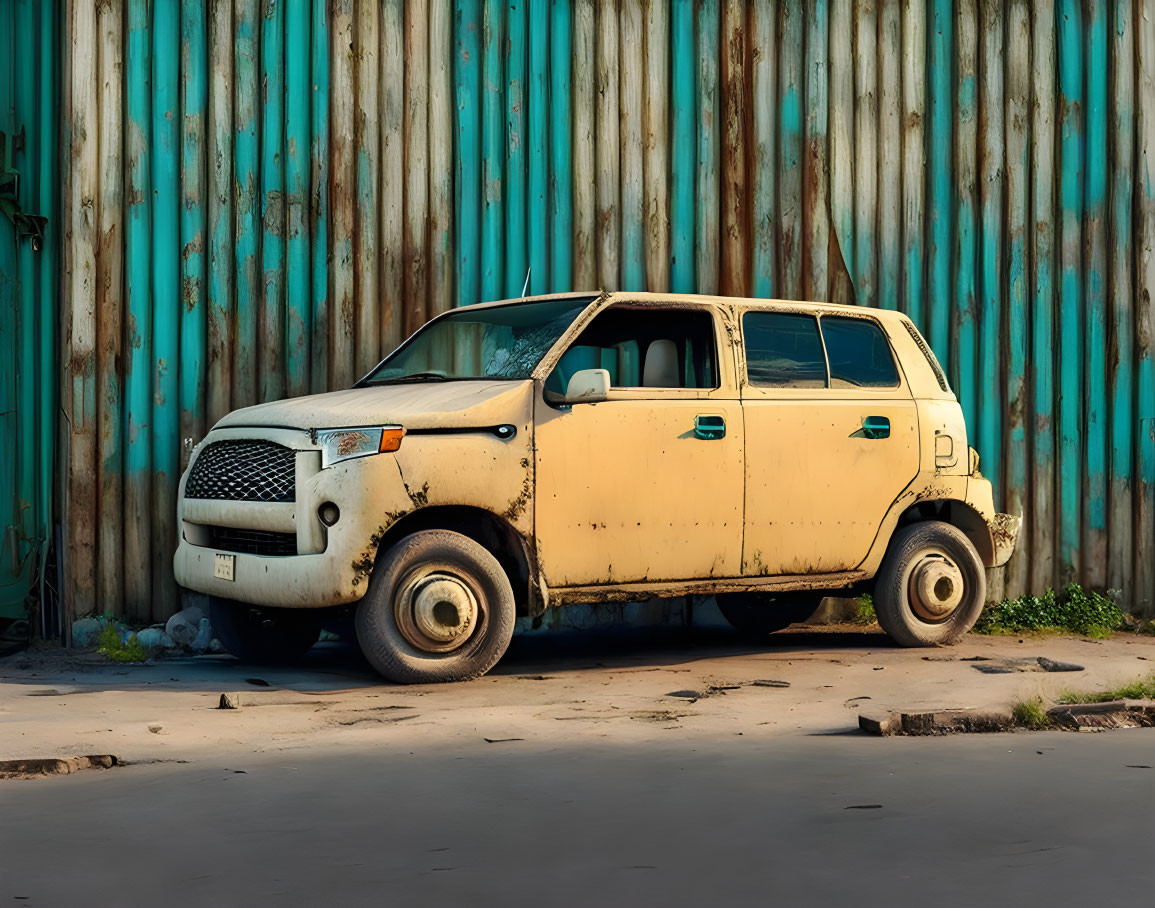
(573, 777)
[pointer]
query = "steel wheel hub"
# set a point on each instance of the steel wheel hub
(437, 612)
(936, 587)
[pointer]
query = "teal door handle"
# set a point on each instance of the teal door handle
(876, 427)
(709, 428)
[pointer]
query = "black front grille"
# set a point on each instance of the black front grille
(243, 471)
(252, 542)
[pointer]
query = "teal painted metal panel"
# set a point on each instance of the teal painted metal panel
(1122, 517)
(1093, 543)
(246, 202)
(29, 315)
(516, 252)
(682, 142)
(48, 311)
(11, 595)
(1071, 179)
(992, 174)
(319, 195)
(166, 290)
(467, 90)
(492, 149)
(963, 355)
(538, 165)
(298, 166)
(789, 104)
(271, 316)
(560, 149)
(25, 437)
(939, 92)
(765, 216)
(138, 343)
(193, 322)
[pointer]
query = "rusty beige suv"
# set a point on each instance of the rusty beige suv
(517, 456)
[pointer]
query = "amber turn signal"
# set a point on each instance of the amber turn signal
(390, 440)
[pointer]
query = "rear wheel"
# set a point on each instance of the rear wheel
(263, 635)
(439, 608)
(758, 615)
(931, 587)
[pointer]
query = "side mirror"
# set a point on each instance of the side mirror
(588, 386)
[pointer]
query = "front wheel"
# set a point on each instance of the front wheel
(931, 587)
(439, 608)
(263, 635)
(758, 615)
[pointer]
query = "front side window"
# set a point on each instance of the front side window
(503, 342)
(858, 352)
(783, 350)
(644, 348)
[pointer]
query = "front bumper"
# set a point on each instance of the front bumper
(333, 564)
(1004, 529)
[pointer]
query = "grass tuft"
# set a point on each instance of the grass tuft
(112, 647)
(1072, 609)
(1031, 714)
(865, 613)
(1143, 689)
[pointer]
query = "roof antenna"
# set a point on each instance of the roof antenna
(525, 286)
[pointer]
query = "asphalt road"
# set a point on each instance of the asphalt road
(1020, 819)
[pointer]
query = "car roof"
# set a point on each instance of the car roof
(648, 298)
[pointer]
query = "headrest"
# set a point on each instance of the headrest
(661, 366)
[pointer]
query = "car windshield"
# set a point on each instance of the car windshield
(503, 342)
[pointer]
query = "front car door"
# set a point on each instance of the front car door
(645, 486)
(831, 437)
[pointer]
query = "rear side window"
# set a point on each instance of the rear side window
(859, 354)
(783, 350)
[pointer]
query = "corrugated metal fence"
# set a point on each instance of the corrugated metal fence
(29, 269)
(263, 197)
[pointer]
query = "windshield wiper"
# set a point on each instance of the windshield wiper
(411, 378)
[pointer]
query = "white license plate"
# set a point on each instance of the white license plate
(223, 566)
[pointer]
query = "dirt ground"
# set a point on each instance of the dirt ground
(614, 687)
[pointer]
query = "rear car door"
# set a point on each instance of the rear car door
(831, 436)
(646, 485)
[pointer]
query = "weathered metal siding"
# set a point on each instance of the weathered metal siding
(265, 196)
(28, 292)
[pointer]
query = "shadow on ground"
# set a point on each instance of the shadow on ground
(340, 665)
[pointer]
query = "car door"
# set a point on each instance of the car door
(831, 435)
(646, 485)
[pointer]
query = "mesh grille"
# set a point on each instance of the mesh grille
(243, 471)
(252, 542)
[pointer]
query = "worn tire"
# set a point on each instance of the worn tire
(758, 615)
(905, 604)
(265, 636)
(412, 582)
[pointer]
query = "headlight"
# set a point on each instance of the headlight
(346, 444)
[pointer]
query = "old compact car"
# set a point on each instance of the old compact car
(517, 456)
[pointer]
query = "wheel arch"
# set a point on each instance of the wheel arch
(512, 551)
(958, 514)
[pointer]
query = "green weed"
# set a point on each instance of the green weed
(1143, 689)
(1072, 609)
(865, 613)
(1031, 714)
(112, 647)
